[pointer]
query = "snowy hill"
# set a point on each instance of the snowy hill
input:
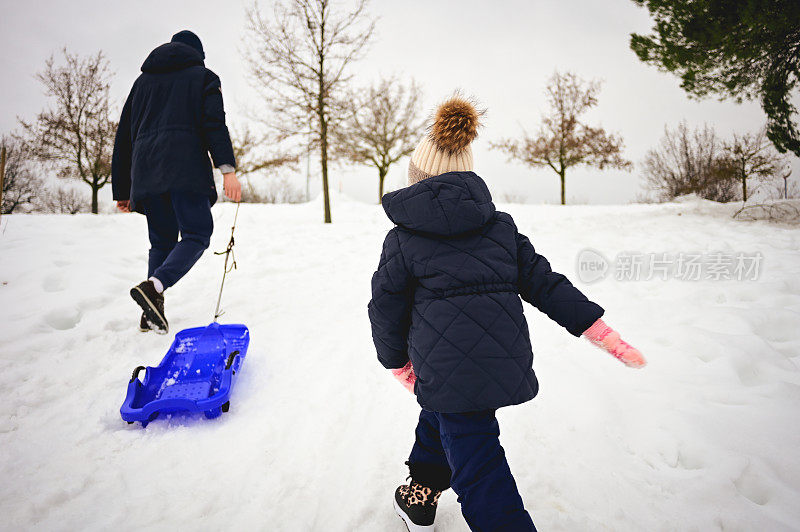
(704, 438)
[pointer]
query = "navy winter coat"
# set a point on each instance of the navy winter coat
(447, 296)
(172, 120)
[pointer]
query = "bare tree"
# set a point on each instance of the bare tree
(75, 134)
(276, 189)
(562, 141)
(20, 184)
(298, 60)
(250, 157)
(690, 162)
(62, 200)
(383, 125)
(722, 185)
(251, 160)
(752, 156)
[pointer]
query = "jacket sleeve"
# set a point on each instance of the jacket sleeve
(215, 132)
(390, 307)
(551, 292)
(121, 159)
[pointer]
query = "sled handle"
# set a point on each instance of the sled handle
(230, 359)
(136, 372)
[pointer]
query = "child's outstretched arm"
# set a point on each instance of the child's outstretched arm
(390, 307)
(607, 338)
(553, 294)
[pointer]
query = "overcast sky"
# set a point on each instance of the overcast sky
(500, 52)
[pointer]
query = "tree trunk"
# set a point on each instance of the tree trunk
(744, 185)
(2, 175)
(95, 190)
(323, 127)
(562, 174)
(744, 188)
(381, 177)
(324, 162)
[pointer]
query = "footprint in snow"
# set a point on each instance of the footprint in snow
(753, 486)
(54, 283)
(63, 319)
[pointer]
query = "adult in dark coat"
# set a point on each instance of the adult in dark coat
(172, 120)
(447, 319)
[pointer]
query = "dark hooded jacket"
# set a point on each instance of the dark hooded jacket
(171, 121)
(446, 295)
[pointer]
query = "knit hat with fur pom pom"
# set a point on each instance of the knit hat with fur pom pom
(446, 146)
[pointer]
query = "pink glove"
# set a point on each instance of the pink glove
(406, 376)
(607, 338)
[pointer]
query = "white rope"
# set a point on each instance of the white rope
(228, 255)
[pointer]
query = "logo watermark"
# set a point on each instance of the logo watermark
(593, 266)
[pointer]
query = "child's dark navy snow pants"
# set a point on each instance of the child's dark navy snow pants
(187, 213)
(468, 445)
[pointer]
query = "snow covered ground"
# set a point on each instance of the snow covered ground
(704, 438)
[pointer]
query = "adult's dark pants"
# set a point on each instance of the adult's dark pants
(170, 214)
(468, 447)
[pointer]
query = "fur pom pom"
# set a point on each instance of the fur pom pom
(455, 124)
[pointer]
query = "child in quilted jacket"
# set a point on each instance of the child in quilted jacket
(447, 320)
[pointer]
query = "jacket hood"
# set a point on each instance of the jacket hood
(447, 205)
(189, 38)
(170, 57)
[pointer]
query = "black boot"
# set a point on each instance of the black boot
(143, 325)
(416, 506)
(152, 303)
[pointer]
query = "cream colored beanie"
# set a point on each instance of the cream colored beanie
(446, 147)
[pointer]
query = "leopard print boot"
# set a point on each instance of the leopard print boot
(416, 506)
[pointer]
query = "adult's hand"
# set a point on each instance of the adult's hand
(124, 206)
(232, 187)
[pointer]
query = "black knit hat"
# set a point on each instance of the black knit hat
(189, 38)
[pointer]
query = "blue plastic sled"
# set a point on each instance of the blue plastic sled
(196, 375)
